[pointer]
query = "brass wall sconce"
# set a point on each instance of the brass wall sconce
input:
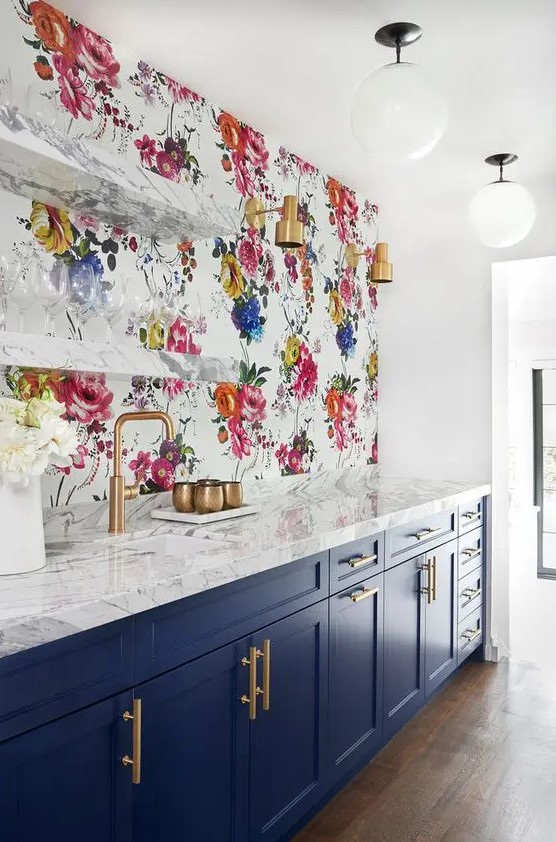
(289, 229)
(381, 271)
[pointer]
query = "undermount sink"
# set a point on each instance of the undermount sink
(172, 544)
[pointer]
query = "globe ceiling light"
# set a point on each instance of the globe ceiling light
(502, 213)
(396, 114)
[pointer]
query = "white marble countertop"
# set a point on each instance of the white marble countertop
(91, 578)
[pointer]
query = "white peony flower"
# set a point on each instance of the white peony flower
(38, 411)
(12, 410)
(18, 453)
(63, 441)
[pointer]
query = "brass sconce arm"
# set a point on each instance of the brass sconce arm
(289, 230)
(381, 271)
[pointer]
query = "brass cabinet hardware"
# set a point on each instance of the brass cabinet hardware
(359, 560)
(426, 533)
(362, 593)
(135, 761)
(254, 691)
(470, 635)
(471, 516)
(428, 589)
(471, 593)
(471, 554)
(434, 578)
(266, 674)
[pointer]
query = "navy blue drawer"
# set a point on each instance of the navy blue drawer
(470, 552)
(470, 592)
(470, 634)
(471, 515)
(420, 536)
(356, 561)
(181, 631)
(57, 678)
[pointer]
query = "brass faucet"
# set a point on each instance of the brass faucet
(119, 492)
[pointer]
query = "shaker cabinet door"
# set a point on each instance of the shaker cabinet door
(195, 747)
(65, 781)
(355, 665)
(287, 740)
(441, 650)
(404, 622)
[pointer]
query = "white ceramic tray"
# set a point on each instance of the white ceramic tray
(211, 517)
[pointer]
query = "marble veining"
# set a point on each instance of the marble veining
(123, 359)
(92, 579)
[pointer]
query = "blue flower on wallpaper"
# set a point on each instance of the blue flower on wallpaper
(92, 259)
(346, 340)
(247, 318)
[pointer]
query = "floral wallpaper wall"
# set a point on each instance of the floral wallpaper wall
(301, 322)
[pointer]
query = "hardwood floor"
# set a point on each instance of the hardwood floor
(477, 765)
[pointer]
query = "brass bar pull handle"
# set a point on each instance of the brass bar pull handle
(470, 635)
(428, 589)
(135, 761)
(362, 593)
(471, 554)
(254, 691)
(434, 579)
(364, 559)
(426, 533)
(471, 516)
(266, 674)
(471, 593)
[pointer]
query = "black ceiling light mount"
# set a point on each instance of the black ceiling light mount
(397, 36)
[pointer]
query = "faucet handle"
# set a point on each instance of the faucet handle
(131, 492)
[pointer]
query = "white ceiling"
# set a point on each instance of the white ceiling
(290, 69)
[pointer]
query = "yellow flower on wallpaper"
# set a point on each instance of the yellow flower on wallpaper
(373, 365)
(335, 307)
(292, 351)
(230, 276)
(155, 339)
(51, 228)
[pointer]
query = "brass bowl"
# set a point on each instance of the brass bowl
(209, 497)
(233, 494)
(183, 496)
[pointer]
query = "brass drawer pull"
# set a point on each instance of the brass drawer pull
(470, 635)
(471, 593)
(363, 593)
(471, 554)
(359, 560)
(434, 579)
(135, 761)
(471, 516)
(266, 674)
(426, 533)
(428, 589)
(254, 691)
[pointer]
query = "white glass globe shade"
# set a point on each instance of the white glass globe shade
(502, 213)
(396, 114)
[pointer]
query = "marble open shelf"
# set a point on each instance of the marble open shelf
(42, 163)
(122, 360)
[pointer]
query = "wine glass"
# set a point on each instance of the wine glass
(24, 288)
(112, 298)
(196, 321)
(52, 292)
(82, 292)
(167, 312)
(141, 302)
(9, 269)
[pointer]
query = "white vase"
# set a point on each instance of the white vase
(21, 528)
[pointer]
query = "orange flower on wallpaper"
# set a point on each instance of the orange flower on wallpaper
(225, 397)
(333, 406)
(335, 192)
(51, 228)
(230, 130)
(52, 27)
(43, 70)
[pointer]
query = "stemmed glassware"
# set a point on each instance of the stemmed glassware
(167, 312)
(52, 291)
(24, 289)
(9, 270)
(82, 292)
(112, 297)
(141, 300)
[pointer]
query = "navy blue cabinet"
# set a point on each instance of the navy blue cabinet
(195, 752)
(441, 650)
(404, 627)
(65, 781)
(287, 765)
(355, 668)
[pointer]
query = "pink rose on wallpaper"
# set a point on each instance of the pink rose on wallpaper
(240, 441)
(147, 150)
(348, 406)
(86, 397)
(141, 465)
(304, 167)
(340, 433)
(95, 55)
(167, 165)
(180, 93)
(172, 387)
(73, 93)
(180, 340)
(349, 204)
(244, 182)
(252, 403)
(85, 220)
(248, 257)
(162, 473)
(295, 460)
(346, 287)
(282, 454)
(255, 148)
(305, 383)
(342, 226)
